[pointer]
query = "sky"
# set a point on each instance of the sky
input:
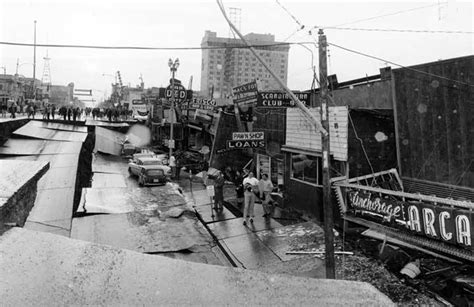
(182, 23)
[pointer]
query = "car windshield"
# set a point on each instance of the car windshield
(154, 172)
(150, 162)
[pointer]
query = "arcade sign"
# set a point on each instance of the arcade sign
(281, 99)
(448, 224)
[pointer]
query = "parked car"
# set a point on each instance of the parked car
(128, 149)
(135, 165)
(153, 175)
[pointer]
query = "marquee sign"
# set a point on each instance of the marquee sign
(450, 225)
(436, 223)
(281, 100)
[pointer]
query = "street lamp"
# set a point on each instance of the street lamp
(173, 67)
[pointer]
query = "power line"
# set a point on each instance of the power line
(291, 15)
(386, 15)
(400, 65)
(150, 48)
(399, 30)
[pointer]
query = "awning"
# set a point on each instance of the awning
(301, 150)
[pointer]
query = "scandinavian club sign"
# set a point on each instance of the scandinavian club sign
(448, 224)
(244, 140)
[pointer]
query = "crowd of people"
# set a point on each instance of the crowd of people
(49, 111)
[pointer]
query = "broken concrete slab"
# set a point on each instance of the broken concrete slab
(46, 131)
(35, 147)
(108, 141)
(142, 231)
(18, 190)
(47, 270)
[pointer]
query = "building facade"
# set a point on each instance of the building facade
(226, 63)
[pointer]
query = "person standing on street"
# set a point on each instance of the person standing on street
(239, 188)
(172, 164)
(266, 187)
(219, 191)
(250, 186)
(205, 169)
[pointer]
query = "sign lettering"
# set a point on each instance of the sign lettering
(248, 136)
(234, 144)
(280, 99)
(446, 224)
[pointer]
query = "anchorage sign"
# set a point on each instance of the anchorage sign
(447, 224)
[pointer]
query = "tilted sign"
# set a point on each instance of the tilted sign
(281, 100)
(199, 103)
(433, 222)
(244, 140)
(450, 225)
(245, 94)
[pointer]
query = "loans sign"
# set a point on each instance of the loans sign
(281, 100)
(448, 224)
(244, 140)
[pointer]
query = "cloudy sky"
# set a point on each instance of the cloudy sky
(182, 23)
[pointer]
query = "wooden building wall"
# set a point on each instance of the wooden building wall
(374, 132)
(373, 95)
(435, 118)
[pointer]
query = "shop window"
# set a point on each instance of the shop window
(306, 168)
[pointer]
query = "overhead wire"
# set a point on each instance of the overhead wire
(386, 15)
(400, 65)
(149, 48)
(400, 30)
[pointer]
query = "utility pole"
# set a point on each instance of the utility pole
(328, 214)
(173, 67)
(34, 65)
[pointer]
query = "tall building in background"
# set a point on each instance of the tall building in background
(223, 69)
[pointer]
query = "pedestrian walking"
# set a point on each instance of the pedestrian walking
(53, 110)
(172, 164)
(205, 169)
(239, 188)
(219, 191)
(250, 187)
(4, 107)
(13, 110)
(265, 187)
(69, 113)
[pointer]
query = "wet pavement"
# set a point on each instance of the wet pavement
(115, 211)
(261, 245)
